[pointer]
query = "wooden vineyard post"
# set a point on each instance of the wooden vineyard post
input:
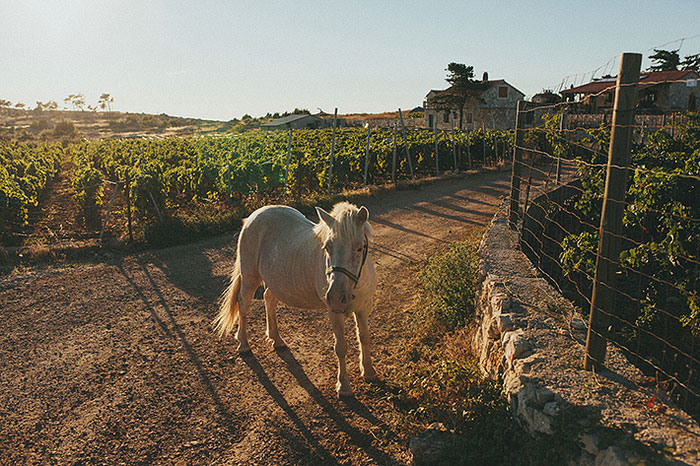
(437, 172)
(517, 158)
(128, 206)
(495, 142)
(228, 185)
(109, 209)
(562, 130)
(286, 169)
(330, 168)
(369, 133)
(603, 295)
(405, 141)
(469, 150)
(393, 158)
(483, 141)
(454, 148)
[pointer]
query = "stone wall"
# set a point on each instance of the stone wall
(533, 339)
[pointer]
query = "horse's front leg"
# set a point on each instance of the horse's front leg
(368, 372)
(342, 385)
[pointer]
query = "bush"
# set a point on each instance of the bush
(64, 128)
(448, 284)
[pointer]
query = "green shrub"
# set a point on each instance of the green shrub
(448, 285)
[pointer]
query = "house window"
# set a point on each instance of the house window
(447, 117)
(455, 115)
(502, 92)
(468, 118)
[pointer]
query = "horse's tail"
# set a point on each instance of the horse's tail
(228, 310)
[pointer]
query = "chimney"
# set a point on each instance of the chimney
(485, 78)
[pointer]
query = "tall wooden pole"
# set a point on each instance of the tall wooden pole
(562, 130)
(437, 172)
(330, 168)
(393, 158)
(454, 148)
(603, 296)
(483, 142)
(405, 141)
(289, 154)
(469, 150)
(369, 133)
(127, 192)
(517, 158)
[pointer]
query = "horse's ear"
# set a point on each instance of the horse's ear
(362, 215)
(325, 217)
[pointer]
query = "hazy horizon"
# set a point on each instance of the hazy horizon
(219, 61)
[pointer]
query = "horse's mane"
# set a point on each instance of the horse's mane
(346, 226)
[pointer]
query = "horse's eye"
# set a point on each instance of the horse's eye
(359, 249)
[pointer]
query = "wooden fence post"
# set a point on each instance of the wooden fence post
(437, 172)
(454, 148)
(483, 142)
(330, 169)
(609, 244)
(109, 209)
(469, 150)
(228, 185)
(393, 158)
(517, 158)
(369, 133)
(495, 142)
(405, 141)
(562, 130)
(128, 206)
(289, 154)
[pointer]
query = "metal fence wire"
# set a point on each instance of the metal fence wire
(620, 239)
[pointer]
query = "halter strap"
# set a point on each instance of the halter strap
(350, 275)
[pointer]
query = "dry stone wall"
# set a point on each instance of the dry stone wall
(533, 339)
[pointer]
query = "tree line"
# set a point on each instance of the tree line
(72, 101)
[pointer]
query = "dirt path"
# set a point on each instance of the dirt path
(116, 363)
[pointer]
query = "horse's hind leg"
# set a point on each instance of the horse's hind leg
(249, 283)
(273, 332)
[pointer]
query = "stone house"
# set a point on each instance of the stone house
(493, 106)
(659, 92)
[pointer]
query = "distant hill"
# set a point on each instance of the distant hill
(29, 125)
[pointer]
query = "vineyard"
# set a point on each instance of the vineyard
(24, 171)
(215, 180)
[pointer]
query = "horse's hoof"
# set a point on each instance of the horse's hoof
(244, 349)
(343, 391)
(277, 345)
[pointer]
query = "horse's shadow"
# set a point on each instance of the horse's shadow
(358, 438)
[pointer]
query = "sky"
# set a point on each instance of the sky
(223, 59)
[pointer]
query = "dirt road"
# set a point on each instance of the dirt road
(116, 362)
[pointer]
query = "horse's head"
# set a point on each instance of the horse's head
(344, 234)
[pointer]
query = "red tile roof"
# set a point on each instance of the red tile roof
(645, 80)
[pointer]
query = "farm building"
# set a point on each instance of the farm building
(661, 91)
(302, 122)
(494, 105)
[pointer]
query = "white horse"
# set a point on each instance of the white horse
(309, 266)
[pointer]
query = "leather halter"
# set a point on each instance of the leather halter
(344, 271)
